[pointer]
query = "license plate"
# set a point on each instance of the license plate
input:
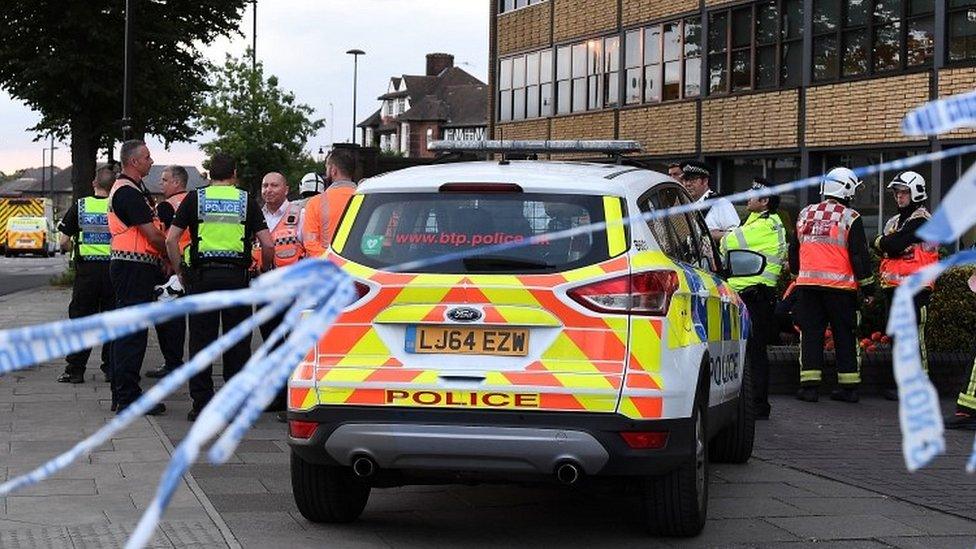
(468, 341)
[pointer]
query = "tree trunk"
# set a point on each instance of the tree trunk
(84, 151)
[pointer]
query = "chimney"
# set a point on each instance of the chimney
(438, 62)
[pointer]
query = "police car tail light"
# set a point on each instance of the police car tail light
(646, 293)
(301, 429)
(361, 290)
(645, 440)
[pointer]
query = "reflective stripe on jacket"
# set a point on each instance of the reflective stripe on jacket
(128, 243)
(221, 212)
(287, 242)
(823, 231)
(916, 257)
(764, 234)
(94, 239)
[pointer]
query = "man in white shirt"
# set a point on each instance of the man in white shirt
(721, 218)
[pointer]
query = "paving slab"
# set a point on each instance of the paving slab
(844, 527)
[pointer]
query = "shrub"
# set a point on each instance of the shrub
(952, 313)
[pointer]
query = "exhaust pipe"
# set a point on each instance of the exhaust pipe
(364, 466)
(568, 473)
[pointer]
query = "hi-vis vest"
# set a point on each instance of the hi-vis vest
(823, 231)
(128, 243)
(94, 241)
(761, 233)
(175, 201)
(288, 248)
(914, 258)
(221, 212)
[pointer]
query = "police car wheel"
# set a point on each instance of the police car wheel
(733, 444)
(325, 493)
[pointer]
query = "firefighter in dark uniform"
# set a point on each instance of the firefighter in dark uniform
(222, 221)
(84, 231)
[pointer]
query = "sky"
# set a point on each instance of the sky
(303, 42)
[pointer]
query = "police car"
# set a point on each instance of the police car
(616, 353)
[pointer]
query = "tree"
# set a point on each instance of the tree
(65, 60)
(258, 123)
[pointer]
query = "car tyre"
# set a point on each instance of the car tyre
(327, 494)
(733, 444)
(676, 503)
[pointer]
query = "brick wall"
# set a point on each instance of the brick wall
(661, 129)
(713, 3)
(750, 122)
(641, 11)
(584, 126)
(529, 129)
(869, 111)
(574, 18)
(952, 82)
(524, 29)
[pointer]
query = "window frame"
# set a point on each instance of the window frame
(536, 87)
(660, 64)
(949, 12)
(516, 5)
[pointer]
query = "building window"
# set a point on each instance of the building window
(961, 30)
(525, 86)
(756, 46)
(510, 5)
(863, 37)
(611, 71)
(663, 62)
(387, 109)
(405, 138)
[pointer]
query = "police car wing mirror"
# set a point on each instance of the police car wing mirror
(744, 263)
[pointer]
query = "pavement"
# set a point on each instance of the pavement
(826, 474)
(25, 272)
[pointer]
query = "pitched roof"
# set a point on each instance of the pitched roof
(453, 97)
(62, 181)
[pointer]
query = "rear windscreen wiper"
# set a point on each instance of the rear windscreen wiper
(500, 261)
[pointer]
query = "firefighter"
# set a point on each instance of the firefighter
(829, 255)
(311, 185)
(84, 231)
(763, 233)
(965, 416)
(902, 253)
(222, 221)
(322, 211)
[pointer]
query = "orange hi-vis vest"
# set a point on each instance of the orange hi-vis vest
(128, 243)
(916, 257)
(823, 231)
(175, 201)
(287, 242)
(322, 214)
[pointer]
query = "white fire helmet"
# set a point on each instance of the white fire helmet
(312, 183)
(912, 181)
(840, 183)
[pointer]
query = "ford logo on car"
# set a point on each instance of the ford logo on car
(464, 314)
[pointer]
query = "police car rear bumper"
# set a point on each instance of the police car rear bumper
(498, 442)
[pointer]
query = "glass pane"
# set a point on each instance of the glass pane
(505, 75)
(634, 86)
(766, 21)
(545, 97)
(633, 49)
(856, 13)
(565, 98)
(564, 67)
(532, 102)
(826, 14)
(718, 31)
(962, 35)
(594, 58)
(518, 101)
(961, 3)
(505, 105)
(741, 70)
(545, 66)
(792, 64)
(652, 45)
(579, 94)
(766, 67)
(507, 5)
(611, 87)
(792, 18)
(518, 72)
(887, 10)
(579, 60)
(672, 42)
(672, 80)
(741, 28)
(652, 83)
(825, 58)
(611, 54)
(693, 77)
(921, 42)
(855, 59)
(717, 75)
(594, 95)
(887, 52)
(692, 37)
(919, 7)
(532, 69)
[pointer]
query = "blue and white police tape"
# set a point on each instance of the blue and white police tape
(956, 213)
(941, 116)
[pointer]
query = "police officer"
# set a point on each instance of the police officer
(84, 231)
(172, 335)
(721, 217)
(762, 233)
(322, 211)
(965, 416)
(137, 241)
(222, 221)
(902, 253)
(829, 255)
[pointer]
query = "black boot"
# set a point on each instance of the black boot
(808, 394)
(890, 394)
(961, 420)
(845, 394)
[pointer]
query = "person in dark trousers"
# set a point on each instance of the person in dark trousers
(137, 244)
(222, 221)
(84, 231)
(829, 255)
(965, 416)
(172, 334)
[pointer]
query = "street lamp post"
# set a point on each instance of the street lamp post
(355, 76)
(254, 37)
(127, 78)
(332, 124)
(53, 148)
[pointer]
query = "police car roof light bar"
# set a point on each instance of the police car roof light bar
(609, 147)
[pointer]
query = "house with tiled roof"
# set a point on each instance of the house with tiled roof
(444, 103)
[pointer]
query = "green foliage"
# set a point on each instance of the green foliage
(952, 313)
(65, 279)
(258, 123)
